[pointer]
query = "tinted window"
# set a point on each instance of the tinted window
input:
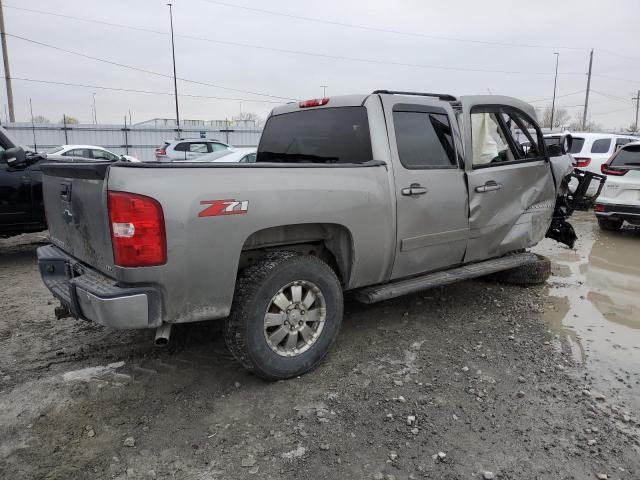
(601, 145)
(423, 139)
(181, 147)
(576, 146)
(622, 141)
(627, 156)
(327, 135)
(77, 152)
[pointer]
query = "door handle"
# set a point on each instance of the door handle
(413, 189)
(490, 186)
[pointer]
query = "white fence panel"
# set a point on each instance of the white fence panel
(140, 141)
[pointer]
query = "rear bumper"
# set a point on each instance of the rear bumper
(90, 295)
(631, 213)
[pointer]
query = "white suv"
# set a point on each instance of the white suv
(188, 149)
(620, 197)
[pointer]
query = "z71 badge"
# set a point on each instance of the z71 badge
(224, 207)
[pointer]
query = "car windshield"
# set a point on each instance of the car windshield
(57, 149)
(328, 135)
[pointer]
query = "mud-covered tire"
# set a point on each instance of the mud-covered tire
(609, 224)
(531, 274)
(255, 289)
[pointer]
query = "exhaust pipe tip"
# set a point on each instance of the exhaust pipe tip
(163, 333)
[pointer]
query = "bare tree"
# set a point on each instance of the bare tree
(254, 117)
(632, 128)
(560, 117)
(68, 119)
(576, 124)
(40, 119)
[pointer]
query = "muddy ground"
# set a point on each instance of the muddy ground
(489, 371)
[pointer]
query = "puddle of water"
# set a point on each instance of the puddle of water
(595, 292)
(90, 373)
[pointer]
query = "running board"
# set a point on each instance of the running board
(398, 288)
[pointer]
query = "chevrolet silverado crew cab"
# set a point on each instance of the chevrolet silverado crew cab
(381, 194)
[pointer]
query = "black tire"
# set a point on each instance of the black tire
(531, 274)
(255, 288)
(609, 224)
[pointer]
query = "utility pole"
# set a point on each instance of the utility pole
(324, 90)
(33, 128)
(7, 73)
(175, 81)
(586, 98)
(637, 99)
(95, 112)
(555, 84)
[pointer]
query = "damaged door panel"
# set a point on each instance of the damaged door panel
(511, 189)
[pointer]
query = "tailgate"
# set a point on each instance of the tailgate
(75, 205)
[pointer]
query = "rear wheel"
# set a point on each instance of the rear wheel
(609, 224)
(286, 314)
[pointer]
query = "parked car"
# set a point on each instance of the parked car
(90, 152)
(21, 206)
(384, 194)
(237, 155)
(590, 150)
(620, 197)
(188, 149)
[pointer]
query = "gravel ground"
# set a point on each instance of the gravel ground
(463, 382)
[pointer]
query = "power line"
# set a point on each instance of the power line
(611, 96)
(132, 90)
(297, 52)
(557, 96)
(138, 69)
(385, 30)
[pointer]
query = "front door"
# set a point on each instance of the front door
(511, 186)
(431, 196)
(15, 194)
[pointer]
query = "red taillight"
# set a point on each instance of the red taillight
(137, 230)
(598, 207)
(582, 162)
(161, 151)
(315, 102)
(607, 170)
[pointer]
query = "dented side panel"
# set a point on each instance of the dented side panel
(515, 216)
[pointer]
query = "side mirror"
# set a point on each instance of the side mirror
(15, 157)
(561, 146)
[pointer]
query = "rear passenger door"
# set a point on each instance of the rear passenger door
(511, 191)
(431, 197)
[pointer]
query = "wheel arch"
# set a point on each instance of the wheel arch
(330, 241)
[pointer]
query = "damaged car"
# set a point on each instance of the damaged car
(380, 194)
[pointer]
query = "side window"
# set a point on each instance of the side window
(181, 147)
(198, 148)
(498, 136)
(424, 139)
(601, 145)
(249, 158)
(103, 155)
(77, 152)
(216, 147)
(620, 142)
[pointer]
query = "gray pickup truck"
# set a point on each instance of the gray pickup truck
(381, 194)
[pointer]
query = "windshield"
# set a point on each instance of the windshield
(328, 135)
(57, 149)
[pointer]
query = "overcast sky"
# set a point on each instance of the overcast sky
(568, 27)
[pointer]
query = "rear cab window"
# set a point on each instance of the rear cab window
(326, 135)
(576, 145)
